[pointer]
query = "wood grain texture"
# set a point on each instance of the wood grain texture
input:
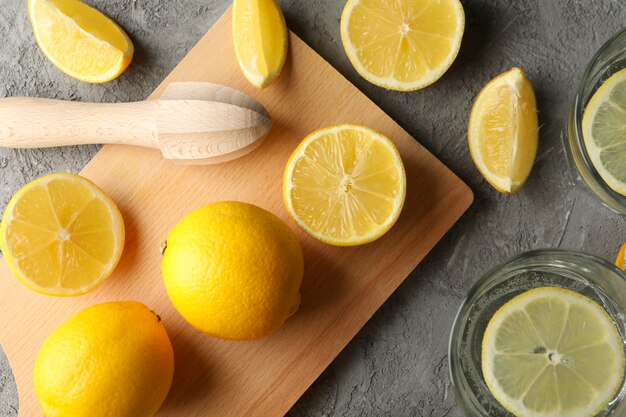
(193, 123)
(342, 287)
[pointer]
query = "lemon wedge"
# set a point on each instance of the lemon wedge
(620, 260)
(260, 38)
(604, 131)
(402, 45)
(503, 131)
(61, 235)
(345, 185)
(551, 352)
(79, 40)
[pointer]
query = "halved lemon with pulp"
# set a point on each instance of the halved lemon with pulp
(62, 235)
(552, 352)
(402, 45)
(260, 38)
(345, 185)
(503, 131)
(604, 131)
(79, 40)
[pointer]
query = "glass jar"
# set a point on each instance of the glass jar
(607, 61)
(588, 275)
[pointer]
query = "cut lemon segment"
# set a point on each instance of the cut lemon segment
(620, 261)
(345, 185)
(551, 352)
(402, 45)
(61, 235)
(79, 40)
(503, 131)
(604, 131)
(260, 38)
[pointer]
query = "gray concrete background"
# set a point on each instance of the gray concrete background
(397, 364)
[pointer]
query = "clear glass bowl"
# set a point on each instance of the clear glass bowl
(607, 61)
(593, 277)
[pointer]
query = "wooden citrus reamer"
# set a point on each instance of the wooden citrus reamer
(192, 123)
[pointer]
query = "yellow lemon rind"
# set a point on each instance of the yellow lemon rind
(121, 335)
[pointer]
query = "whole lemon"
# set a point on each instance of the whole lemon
(111, 359)
(233, 270)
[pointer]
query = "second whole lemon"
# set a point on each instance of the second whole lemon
(233, 270)
(110, 359)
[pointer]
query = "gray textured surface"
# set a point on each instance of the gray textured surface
(396, 365)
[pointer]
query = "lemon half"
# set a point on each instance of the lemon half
(345, 185)
(402, 45)
(62, 235)
(551, 352)
(233, 270)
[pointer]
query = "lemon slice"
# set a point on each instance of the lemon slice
(551, 352)
(402, 45)
(345, 185)
(61, 235)
(620, 260)
(503, 131)
(79, 40)
(604, 131)
(260, 38)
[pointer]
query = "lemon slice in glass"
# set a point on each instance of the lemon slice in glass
(604, 131)
(345, 185)
(402, 45)
(62, 235)
(551, 352)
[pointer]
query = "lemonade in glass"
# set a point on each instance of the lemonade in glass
(542, 335)
(595, 139)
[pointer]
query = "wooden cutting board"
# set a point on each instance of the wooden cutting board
(342, 287)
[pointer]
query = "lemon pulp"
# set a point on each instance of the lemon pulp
(345, 185)
(552, 352)
(61, 235)
(402, 44)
